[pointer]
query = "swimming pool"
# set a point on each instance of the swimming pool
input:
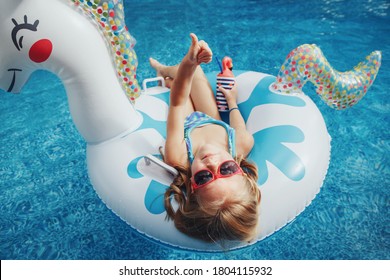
(49, 209)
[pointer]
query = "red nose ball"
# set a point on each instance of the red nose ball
(41, 50)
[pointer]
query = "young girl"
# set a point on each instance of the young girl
(216, 189)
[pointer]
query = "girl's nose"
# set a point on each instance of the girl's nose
(212, 165)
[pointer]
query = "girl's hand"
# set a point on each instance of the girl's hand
(230, 95)
(199, 51)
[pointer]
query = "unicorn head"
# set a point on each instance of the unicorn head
(56, 36)
(20, 46)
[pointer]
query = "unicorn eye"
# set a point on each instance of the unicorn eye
(25, 25)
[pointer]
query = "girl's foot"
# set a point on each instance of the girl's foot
(161, 71)
(157, 66)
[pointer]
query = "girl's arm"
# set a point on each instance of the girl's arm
(198, 53)
(244, 140)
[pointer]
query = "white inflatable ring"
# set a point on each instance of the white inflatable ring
(292, 144)
(292, 150)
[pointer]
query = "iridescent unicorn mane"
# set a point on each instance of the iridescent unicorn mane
(109, 17)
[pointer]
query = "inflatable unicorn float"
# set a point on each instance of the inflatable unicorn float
(124, 126)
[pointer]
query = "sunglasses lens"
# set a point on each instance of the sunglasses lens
(202, 177)
(229, 167)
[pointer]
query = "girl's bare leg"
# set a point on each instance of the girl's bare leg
(201, 94)
(164, 70)
(169, 74)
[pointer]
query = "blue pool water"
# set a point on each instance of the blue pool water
(49, 210)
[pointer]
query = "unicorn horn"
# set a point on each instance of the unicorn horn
(338, 90)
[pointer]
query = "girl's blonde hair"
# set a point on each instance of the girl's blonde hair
(235, 219)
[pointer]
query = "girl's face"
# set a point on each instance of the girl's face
(210, 157)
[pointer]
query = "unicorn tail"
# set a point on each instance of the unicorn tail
(338, 90)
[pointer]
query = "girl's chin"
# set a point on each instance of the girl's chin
(209, 150)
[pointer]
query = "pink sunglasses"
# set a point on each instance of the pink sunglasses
(205, 176)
